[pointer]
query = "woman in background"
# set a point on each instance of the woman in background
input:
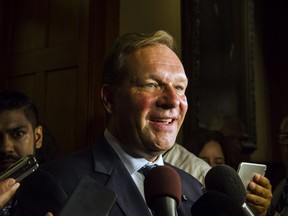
(210, 146)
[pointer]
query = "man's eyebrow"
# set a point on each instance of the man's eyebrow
(18, 127)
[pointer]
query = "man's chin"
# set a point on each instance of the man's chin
(160, 149)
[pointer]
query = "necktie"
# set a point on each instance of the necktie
(146, 168)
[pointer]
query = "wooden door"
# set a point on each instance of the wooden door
(53, 51)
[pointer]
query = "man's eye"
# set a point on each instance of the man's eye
(17, 134)
(151, 85)
(180, 88)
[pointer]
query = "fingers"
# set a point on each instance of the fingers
(8, 187)
(261, 187)
(261, 194)
(262, 181)
(258, 204)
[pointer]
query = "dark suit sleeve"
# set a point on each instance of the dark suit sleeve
(39, 194)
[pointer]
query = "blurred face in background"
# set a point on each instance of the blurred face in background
(212, 153)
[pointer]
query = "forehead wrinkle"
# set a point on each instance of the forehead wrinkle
(174, 63)
(176, 76)
(159, 54)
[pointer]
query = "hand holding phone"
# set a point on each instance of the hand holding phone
(247, 171)
(20, 169)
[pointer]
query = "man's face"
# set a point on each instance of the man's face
(149, 107)
(17, 137)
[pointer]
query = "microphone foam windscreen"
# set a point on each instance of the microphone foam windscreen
(216, 204)
(162, 181)
(225, 179)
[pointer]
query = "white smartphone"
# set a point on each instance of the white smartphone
(246, 172)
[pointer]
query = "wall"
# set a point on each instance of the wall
(263, 152)
(150, 15)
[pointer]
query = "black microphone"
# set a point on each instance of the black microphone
(225, 179)
(216, 204)
(89, 198)
(162, 189)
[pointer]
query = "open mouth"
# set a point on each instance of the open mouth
(164, 121)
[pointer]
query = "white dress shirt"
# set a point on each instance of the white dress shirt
(132, 164)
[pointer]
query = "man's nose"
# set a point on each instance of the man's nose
(6, 144)
(169, 97)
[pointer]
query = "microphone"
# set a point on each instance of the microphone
(216, 204)
(89, 198)
(162, 189)
(225, 179)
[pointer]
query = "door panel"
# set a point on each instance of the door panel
(53, 51)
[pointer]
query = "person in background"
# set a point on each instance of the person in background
(187, 161)
(20, 135)
(279, 203)
(236, 136)
(210, 146)
(48, 150)
(143, 93)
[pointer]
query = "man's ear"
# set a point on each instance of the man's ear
(38, 133)
(107, 95)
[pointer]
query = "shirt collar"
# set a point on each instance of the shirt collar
(132, 164)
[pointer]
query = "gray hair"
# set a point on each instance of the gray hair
(114, 65)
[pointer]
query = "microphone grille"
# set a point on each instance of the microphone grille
(162, 181)
(216, 204)
(225, 179)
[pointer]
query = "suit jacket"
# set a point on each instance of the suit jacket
(49, 188)
(280, 199)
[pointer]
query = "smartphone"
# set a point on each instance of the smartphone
(246, 172)
(20, 169)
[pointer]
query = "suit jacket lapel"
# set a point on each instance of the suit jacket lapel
(119, 180)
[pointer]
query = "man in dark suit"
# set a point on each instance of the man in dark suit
(20, 135)
(143, 93)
